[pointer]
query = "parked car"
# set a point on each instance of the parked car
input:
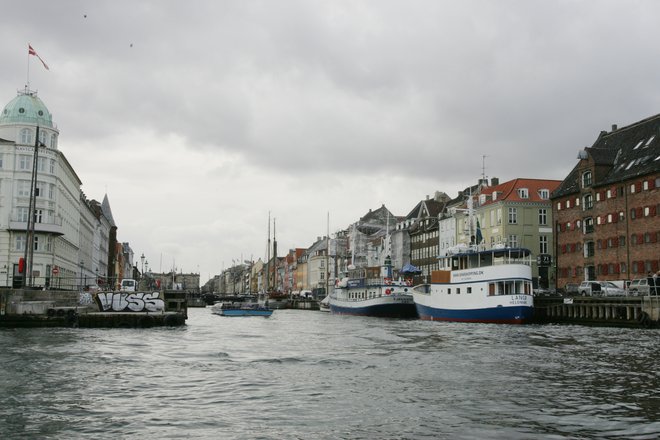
(600, 288)
(611, 289)
(644, 286)
(571, 289)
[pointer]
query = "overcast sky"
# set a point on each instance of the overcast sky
(197, 118)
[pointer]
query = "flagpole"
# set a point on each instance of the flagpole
(28, 70)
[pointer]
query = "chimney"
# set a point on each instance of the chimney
(427, 197)
(494, 181)
(614, 127)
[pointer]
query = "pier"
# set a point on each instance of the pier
(43, 308)
(636, 311)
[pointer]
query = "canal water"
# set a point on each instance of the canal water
(312, 375)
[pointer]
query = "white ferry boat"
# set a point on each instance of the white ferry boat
(478, 285)
(371, 291)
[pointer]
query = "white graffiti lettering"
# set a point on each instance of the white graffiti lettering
(129, 302)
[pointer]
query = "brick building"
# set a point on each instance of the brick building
(605, 211)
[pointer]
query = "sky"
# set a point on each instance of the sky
(200, 119)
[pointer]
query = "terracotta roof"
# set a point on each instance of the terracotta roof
(509, 190)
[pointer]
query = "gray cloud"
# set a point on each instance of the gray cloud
(241, 107)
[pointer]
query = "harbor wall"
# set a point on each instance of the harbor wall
(643, 311)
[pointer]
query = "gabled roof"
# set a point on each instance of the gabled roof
(628, 152)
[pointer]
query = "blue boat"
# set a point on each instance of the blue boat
(241, 309)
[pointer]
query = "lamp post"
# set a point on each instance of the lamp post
(81, 271)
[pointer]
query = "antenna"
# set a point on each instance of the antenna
(483, 167)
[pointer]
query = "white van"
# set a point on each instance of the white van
(128, 285)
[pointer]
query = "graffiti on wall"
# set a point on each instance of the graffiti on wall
(129, 302)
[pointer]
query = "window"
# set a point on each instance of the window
(42, 137)
(588, 225)
(513, 241)
(51, 166)
(543, 244)
(22, 215)
(513, 216)
(645, 185)
(38, 215)
(558, 206)
(20, 242)
(499, 216)
(523, 193)
(588, 201)
(543, 216)
(622, 241)
(632, 188)
(544, 194)
(609, 193)
(589, 249)
(23, 188)
(586, 179)
(53, 141)
(24, 162)
(26, 136)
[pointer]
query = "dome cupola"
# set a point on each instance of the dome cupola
(28, 109)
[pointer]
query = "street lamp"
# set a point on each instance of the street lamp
(81, 271)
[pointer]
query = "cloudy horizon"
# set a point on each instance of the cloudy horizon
(197, 119)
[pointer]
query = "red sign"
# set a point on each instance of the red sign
(56, 270)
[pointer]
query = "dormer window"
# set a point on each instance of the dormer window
(523, 193)
(586, 179)
(544, 194)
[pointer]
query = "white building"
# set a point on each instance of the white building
(70, 244)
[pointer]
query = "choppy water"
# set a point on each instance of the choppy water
(312, 375)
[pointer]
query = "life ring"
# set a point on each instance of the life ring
(387, 291)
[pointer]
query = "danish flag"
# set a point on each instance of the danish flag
(31, 51)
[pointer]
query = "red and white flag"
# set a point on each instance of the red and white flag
(34, 52)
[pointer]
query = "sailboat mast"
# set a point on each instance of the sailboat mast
(267, 284)
(327, 252)
(274, 258)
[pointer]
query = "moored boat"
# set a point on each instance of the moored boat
(371, 291)
(241, 309)
(479, 285)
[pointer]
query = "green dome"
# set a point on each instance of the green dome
(26, 108)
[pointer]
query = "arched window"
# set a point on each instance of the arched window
(586, 179)
(26, 136)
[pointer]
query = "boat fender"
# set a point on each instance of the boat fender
(644, 320)
(171, 320)
(72, 318)
(146, 321)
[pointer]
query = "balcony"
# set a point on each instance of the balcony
(44, 228)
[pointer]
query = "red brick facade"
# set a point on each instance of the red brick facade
(609, 229)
